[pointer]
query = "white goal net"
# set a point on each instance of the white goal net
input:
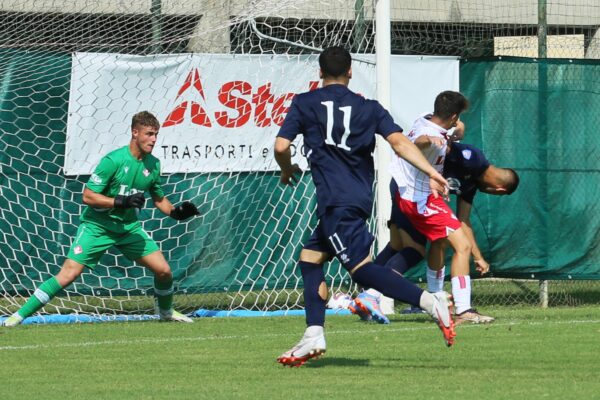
(220, 76)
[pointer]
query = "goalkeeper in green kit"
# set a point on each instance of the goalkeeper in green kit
(113, 195)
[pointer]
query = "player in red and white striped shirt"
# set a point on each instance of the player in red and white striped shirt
(426, 211)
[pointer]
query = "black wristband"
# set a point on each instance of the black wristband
(120, 201)
(135, 200)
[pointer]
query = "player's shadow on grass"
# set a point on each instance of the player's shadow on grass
(399, 319)
(338, 362)
(400, 363)
(420, 318)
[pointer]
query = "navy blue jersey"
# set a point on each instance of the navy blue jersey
(339, 130)
(463, 165)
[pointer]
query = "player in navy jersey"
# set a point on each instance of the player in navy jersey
(339, 130)
(467, 171)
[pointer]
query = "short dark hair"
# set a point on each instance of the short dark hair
(144, 118)
(449, 103)
(512, 180)
(334, 62)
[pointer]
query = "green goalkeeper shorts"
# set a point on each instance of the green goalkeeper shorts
(92, 241)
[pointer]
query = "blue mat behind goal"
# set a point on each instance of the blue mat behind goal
(201, 313)
(247, 313)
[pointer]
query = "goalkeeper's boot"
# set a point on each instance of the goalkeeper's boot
(13, 320)
(442, 313)
(472, 316)
(365, 305)
(312, 345)
(175, 316)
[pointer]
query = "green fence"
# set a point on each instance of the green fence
(540, 118)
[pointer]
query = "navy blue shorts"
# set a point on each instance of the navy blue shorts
(343, 233)
(401, 221)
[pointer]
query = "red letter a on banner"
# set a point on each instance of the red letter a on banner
(199, 115)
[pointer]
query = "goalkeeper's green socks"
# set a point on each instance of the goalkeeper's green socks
(163, 291)
(40, 298)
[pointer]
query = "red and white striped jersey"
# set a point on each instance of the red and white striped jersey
(413, 184)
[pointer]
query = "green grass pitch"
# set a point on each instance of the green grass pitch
(528, 353)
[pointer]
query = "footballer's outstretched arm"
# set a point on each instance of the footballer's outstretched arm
(404, 148)
(163, 204)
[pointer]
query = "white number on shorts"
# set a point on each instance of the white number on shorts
(337, 244)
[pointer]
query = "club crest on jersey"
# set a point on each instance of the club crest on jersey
(467, 154)
(146, 173)
(78, 250)
(126, 169)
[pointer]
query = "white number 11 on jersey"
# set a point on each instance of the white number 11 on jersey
(347, 110)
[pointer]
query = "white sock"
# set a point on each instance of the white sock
(375, 293)
(426, 302)
(17, 316)
(461, 291)
(313, 330)
(435, 280)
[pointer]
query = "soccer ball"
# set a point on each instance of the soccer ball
(339, 300)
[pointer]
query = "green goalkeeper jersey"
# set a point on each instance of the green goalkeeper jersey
(119, 173)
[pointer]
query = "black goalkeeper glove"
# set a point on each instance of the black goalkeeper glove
(184, 211)
(135, 200)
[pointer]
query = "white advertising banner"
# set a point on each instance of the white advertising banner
(218, 112)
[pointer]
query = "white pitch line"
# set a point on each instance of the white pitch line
(239, 337)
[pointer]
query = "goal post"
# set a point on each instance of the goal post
(384, 205)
